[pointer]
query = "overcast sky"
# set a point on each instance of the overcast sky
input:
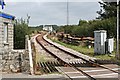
(53, 12)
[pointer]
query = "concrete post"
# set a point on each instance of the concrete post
(30, 57)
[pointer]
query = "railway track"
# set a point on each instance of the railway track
(48, 67)
(75, 62)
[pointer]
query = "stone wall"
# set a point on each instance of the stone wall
(11, 60)
(16, 61)
(10, 34)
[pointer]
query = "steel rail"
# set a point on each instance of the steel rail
(90, 77)
(90, 61)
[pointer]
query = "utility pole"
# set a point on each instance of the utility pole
(67, 12)
(117, 52)
(28, 17)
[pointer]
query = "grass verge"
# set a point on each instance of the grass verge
(86, 50)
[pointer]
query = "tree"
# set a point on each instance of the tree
(20, 30)
(109, 9)
(106, 21)
(82, 22)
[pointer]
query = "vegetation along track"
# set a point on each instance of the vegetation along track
(67, 58)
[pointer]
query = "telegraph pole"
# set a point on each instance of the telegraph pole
(117, 52)
(28, 17)
(67, 13)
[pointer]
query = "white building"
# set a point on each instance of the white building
(48, 28)
(6, 32)
(99, 43)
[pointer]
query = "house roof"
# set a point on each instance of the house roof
(7, 16)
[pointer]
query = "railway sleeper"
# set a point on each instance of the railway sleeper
(80, 64)
(47, 67)
(56, 64)
(44, 68)
(105, 61)
(41, 69)
(53, 67)
(50, 67)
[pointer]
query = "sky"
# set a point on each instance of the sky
(52, 13)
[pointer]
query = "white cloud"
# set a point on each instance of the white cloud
(52, 12)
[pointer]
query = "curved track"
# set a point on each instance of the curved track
(70, 59)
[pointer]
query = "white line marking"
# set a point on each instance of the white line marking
(105, 74)
(78, 77)
(72, 72)
(100, 70)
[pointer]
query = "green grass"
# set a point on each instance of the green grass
(105, 57)
(40, 58)
(86, 50)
